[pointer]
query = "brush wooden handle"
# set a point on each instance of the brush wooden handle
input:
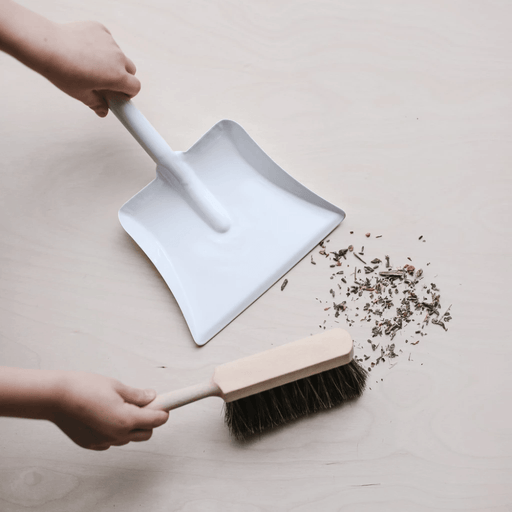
(284, 364)
(267, 370)
(180, 397)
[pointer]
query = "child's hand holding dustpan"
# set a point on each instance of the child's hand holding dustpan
(221, 222)
(82, 58)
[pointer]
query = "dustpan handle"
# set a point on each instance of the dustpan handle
(141, 129)
(161, 153)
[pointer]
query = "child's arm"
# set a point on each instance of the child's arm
(82, 59)
(96, 412)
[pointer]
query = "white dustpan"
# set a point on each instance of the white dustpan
(221, 222)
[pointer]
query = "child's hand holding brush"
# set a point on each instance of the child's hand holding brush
(94, 411)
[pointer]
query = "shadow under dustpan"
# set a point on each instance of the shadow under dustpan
(221, 222)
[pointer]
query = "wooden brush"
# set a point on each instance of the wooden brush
(279, 385)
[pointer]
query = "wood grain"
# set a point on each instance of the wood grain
(400, 113)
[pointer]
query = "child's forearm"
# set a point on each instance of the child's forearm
(82, 59)
(28, 393)
(25, 35)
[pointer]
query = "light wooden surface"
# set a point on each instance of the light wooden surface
(400, 113)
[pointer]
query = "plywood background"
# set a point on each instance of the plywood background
(400, 113)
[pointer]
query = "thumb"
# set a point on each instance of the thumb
(128, 84)
(136, 396)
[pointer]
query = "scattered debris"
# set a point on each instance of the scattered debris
(359, 258)
(395, 300)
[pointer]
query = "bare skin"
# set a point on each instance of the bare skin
(94, 411)
(82, 59)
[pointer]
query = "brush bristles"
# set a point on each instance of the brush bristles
(256, 413)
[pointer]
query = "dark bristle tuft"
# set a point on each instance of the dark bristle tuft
(269, 409)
